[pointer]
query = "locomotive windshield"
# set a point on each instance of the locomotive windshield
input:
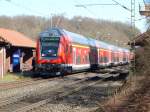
(49, 46)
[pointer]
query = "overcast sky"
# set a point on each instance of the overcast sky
(46, 8)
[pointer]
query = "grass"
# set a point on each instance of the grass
(10, 77)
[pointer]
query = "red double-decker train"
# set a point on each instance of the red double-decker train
(60, 51)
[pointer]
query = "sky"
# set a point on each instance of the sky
(47, 8)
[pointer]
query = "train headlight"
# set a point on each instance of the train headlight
(43, 54)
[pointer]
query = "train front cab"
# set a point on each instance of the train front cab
(51, 52)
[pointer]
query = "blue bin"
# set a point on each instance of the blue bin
(16, 61)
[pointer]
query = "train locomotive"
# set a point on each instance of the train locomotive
(60, 51)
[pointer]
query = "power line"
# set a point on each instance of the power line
(116, 3)
(123, 6)
(80, 5)
(24, 7)
(141, 18)
(83, 6)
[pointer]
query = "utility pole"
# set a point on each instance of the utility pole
(132, 65)
(133, 16)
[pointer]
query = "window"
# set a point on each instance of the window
(101, 59)
(78, 60)
(74, 55)
(87, 58)
(105, 59)
(49, 48)
(70, 49)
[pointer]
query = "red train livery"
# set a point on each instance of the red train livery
(60, 51)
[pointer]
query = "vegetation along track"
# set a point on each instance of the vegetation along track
(47, 95)
(17, 84)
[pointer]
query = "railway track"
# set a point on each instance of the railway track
(11, 89)
(22, 99)
(23, 86)
(26, 82)
(48, 100)
(53, 82)
(18, 84)
(34, 100)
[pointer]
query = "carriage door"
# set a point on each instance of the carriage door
(74, 55)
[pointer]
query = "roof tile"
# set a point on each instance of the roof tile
(16, 39)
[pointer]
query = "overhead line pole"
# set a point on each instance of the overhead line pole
(133, 15)
(133, 30)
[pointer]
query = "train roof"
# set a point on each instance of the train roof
(55, 32)
(104, 45)
(77, 38)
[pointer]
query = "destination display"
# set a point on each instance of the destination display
(49, 39)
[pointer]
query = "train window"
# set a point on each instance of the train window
(78, 60)
(124, 58)
(101, 59)
(74, 55)
(70, 49)
(49, 49)
(87, 58)
(117, 59)
(105, 59)
(114, 59)
(84, 59)
(66, 50)
(82, 56)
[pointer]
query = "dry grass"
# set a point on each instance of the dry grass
(129, 98)
(10, 77)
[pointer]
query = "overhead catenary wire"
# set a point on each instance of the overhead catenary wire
(79, 5)
(84, 6)
(141, 18)
(123, 6)
(33, 11)
(26, 8)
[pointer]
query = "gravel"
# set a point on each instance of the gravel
(85, 100)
